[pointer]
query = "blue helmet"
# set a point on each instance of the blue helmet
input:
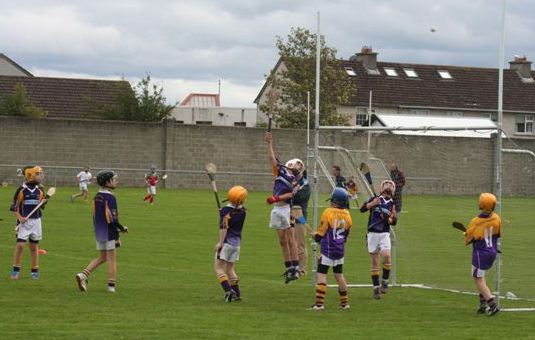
(340, 197)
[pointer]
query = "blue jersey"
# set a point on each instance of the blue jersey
(105, 216)
(26, 198)
(378, 220)
(284, 181)
(232, 219)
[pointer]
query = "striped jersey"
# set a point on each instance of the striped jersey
(334, 228)
(105, 216)
(232, 217)
(26, 198)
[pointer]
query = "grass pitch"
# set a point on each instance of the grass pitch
(167, 288)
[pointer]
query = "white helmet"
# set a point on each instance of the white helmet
(296, 164)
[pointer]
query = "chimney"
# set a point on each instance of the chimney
(367, 57)
(522, 66)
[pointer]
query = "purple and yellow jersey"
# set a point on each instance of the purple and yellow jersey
(26, 198)
(484, 230)
(284, 181)
(232, 219)
(334, 229)
(378, 220)
(105, 216)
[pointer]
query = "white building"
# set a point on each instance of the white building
(205, 109)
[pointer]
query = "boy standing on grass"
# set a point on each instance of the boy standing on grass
(107, 227)
(26, 198)
(283, 186)
(382, 216)
(484, 234)
(227, 248)
(333, 232)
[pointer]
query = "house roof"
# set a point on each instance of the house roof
(412, 121)
(67, 97)
(470, 88)
(10, 68)
(201, 100)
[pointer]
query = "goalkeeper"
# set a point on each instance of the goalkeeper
(483, 233)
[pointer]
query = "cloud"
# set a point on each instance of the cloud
(200, 41)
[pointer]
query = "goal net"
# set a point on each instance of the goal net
(444, 174)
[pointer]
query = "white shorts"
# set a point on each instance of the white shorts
(228, 253)
(31, 229)
(280, 217)
(83, 186)
(151, 190)
(106, 245)
(378, 242)
(476, 272)
(324, 260)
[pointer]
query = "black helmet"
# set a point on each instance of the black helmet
(104, 176)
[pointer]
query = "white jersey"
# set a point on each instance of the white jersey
(84, 177)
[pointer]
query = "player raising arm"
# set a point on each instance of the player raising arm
(283, 187)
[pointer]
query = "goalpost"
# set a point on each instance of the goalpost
(510, 287)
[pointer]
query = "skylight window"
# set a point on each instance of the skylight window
(350, 71)
(391, 72)
(411, 73)
(444, 74)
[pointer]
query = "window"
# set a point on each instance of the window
(180, 122)
(444, 74)
(411, 73)
(361, 119)
(240, 124)
(419, 112)
(524, 124)
(454, 114)
(391, 72)
(350, 71)
(203, 122)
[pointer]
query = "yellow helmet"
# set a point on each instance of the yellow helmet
(31, 172)
(237, 195)
(487, 202)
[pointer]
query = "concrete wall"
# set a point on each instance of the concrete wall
(63, 147)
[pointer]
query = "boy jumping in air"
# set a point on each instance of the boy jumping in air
(483, 233)
(107, 227)
(333, 232)
(151, 179)
(227, 248)
(283, 187)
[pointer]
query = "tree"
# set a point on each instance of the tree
(18, 104)
(145, 103)
(291, 83)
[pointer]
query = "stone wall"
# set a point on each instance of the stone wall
(444, 165)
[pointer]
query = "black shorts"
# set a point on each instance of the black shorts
(323, 269)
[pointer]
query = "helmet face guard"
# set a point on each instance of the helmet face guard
(388, 187)
(33, 173)
(296, 166)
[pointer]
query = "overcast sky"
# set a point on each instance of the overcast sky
(186, 46)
